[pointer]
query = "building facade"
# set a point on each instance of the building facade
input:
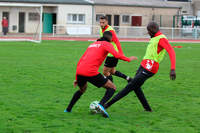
(24, 19)
(84, 13)
(136, 13)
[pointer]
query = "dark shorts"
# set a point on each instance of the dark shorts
(98, 80)
(111, 62)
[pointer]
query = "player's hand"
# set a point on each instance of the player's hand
(75, 83)
(172, 74)
(133, 58)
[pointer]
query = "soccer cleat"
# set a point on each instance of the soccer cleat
(101, 109)
(66, 111)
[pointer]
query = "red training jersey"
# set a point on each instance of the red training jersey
(94, 56)
(114, 39)
(153, 66)
(4, 23)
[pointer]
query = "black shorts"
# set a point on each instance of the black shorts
(98, 80)
(111, 62)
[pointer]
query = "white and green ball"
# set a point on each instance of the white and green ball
(93, 106)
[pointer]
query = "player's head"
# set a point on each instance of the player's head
(152, 28)
(103, 21)
(4, 17)
(107, 36)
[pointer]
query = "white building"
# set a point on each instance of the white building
(25, 19)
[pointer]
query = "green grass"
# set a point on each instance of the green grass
(36, 84)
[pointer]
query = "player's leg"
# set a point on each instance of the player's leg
(101, 81)
(107, 72)
(82, 83)
(110, 90)
(111, 63)
(140, 95)
(135, 83)
(120, 74)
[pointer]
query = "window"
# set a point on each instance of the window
(33, 16)
(81, 18)
(136, 21)
(125, 19)
(76, 18)
(98, 17)
(184, 12)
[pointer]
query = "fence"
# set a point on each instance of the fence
(123, 31)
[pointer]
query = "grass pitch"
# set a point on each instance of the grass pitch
(36, 84)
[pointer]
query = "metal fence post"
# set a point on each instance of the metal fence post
(53, 30)
(172, 33)
(196, 34)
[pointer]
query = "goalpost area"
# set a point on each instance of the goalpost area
(25, 22)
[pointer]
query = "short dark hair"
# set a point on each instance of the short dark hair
(107, 36)
(104, 17)
(153, 27)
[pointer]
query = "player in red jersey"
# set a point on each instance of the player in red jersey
(87, 70)
(155, 52)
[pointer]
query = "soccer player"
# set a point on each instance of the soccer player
(87, 70)
(155, 53)
(111, 61)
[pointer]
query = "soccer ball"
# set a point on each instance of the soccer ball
(93, 106)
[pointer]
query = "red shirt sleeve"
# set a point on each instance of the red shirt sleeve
(109, 47)
(116, 41)
(163, 43)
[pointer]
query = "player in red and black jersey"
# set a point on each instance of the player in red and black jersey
(87, 70)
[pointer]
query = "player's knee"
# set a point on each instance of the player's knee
(109, 84)
(113, 86)
(83, 89)
(113, 71)
(106, 73)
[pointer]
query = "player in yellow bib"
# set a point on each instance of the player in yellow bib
(111, 61)
(156, 49)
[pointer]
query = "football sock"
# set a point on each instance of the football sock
(139, 93)
(110, 78)
(108, 94)
(120, 95)
(75, 98)
(119, 74)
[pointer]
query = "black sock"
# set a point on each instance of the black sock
(120, 95)
(119, 74)
(109, 93)
(110, 78)
(139, 93)
(75, 98)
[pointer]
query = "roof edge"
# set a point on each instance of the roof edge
(147, 6)
(71, 3)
